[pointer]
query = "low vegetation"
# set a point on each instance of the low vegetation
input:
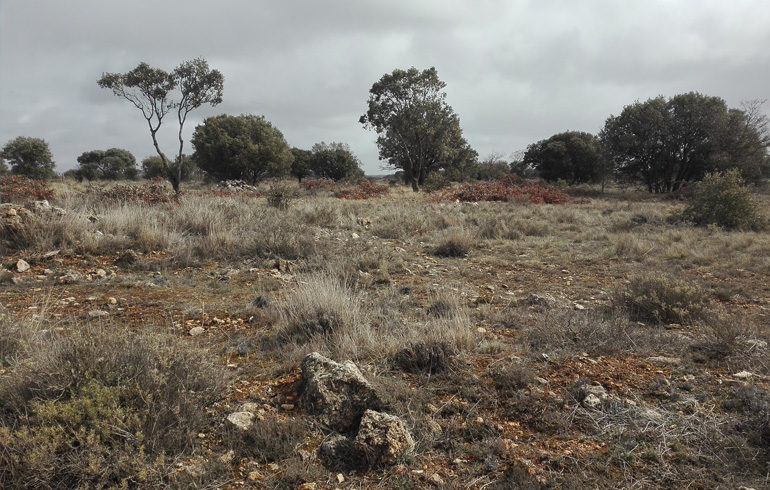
(724, 200)
(579, 340)
(102, 406)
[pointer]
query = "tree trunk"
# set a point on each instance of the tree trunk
(174, 179)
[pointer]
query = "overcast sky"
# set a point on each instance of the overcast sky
(516, 71)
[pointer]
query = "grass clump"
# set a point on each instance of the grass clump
(662, 299)
(103, 409)
(454, 243)
(431, 357)
(722, 199)
(13, 338)
(323, 308)
(280, 195)
(269, 440)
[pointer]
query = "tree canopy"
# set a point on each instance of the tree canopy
(573, 156)
(241, 147)
(301, 166)
(154, 92)
(663, 143)
(493, 167)
(417, 131)
(112, 164)
(30, 157)
(152, 166)
(334, 161)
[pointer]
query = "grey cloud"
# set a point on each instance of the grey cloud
(516, 72)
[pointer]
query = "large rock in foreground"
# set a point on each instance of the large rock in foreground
(382, 438)
(337, 393)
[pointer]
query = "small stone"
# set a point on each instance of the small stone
(436, 479)
(196, 331)
(22, 265)
(354, 235)
(69, 277)
(112, 301)
(340, 478)
(273, 467)
(100, 273)
(241, 420)
(307, 486)
(481, 330)
(251, 407)
(597, 390)
(98, 313)
(288, 406)
(546, 300)
(743, 375)
(592, 401)
(90, 299)
(256, 475)
(228, 457)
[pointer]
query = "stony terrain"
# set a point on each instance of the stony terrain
(596, 343)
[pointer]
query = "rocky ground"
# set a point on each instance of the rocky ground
(528, 368)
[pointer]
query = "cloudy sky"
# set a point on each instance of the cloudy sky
(517, 71)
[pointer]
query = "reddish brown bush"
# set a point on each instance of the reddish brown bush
(152, 193)
(364, 190)
(319, 184)
(14, 188)
(509, 188)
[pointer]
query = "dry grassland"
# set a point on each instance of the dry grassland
(593, 344)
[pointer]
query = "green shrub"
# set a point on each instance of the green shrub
(723, 200)
(280, 195)
(103, 409)
(436, 181)
(662, 299)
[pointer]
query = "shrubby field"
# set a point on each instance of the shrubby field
(526, 335)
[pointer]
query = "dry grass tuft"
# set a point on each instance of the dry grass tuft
(454, 242)
(662, 299)
(323, 309)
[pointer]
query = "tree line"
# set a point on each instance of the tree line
(660, 144)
